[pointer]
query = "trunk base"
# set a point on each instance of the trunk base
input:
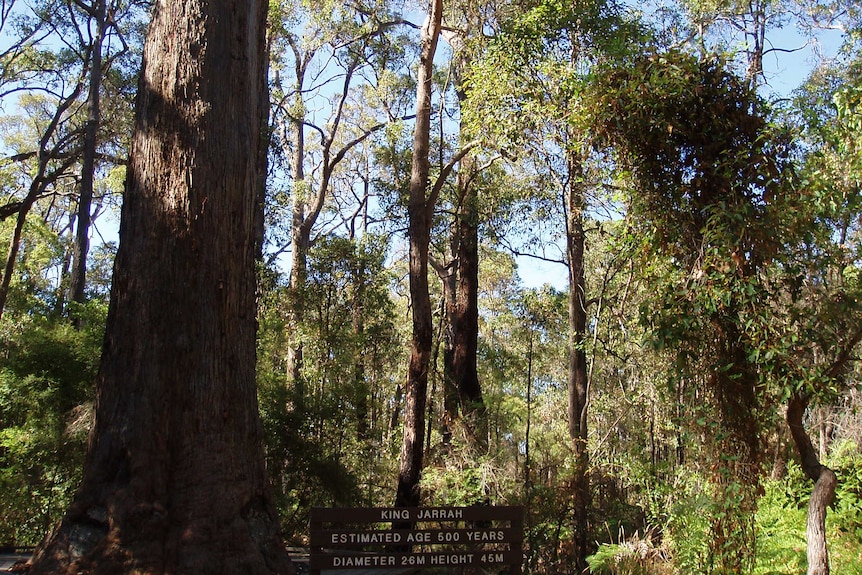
(144, 541)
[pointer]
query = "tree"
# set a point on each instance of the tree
(420, 210)
(462, 388)
(341, 45)
(95, 66)
(174, 480)
(56, 88)
(710, 179)
(821, 316)
(534, 75)
(422, 199)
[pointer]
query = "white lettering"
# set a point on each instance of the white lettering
(419, 537)
(448, 536)
(442, 559)
(485, 535)
(363, 561)
(446, 514)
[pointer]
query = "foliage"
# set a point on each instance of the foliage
(722, 275)
(324, 437)
(33, 287)
(47, 376)
(637, 555)
(782, 514)
(846, 512)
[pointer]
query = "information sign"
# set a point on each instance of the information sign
(416, 537)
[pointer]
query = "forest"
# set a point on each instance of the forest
(599, 259)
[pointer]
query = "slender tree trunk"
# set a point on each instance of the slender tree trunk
(15, 245)
(420, 210)
(451, 401)
(174, 479)
(578, 369)
(78, 280)
(300, 239)
(825, 483)
(466, 328)
(361, 389)
(43, 178)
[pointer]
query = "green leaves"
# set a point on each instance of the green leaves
(47, 377)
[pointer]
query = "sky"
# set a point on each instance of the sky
(787, 65)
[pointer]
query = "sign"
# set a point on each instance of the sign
(337, 537)
(416, 537)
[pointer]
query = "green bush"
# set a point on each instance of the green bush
(638, 555)
(47, 374)
(687, 533)
(781, 525)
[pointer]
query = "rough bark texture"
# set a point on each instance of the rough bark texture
(174, 480)
(825, 482)
(466, 329)
(463, 390)
(419, 228)
(578, 376)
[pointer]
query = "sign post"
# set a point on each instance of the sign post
(416, 537)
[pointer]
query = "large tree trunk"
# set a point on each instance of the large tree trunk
(825, 482)
(420, 210)
(461, 285)
(174, 479)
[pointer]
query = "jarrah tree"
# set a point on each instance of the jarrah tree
(174, 479)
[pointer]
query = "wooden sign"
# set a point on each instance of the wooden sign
(416, 537)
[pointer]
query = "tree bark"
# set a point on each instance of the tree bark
(466, 325)
(825, 483)
(174, 479)
(78, 279)
(578, 371)
(420, 210)
(461, 285)
(451, 397)
(300, 234)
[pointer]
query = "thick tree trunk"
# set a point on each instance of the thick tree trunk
(825, 482)
(174, 479)
(420, 210)
(461, 286)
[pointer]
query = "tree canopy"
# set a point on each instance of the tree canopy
(595, 258)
